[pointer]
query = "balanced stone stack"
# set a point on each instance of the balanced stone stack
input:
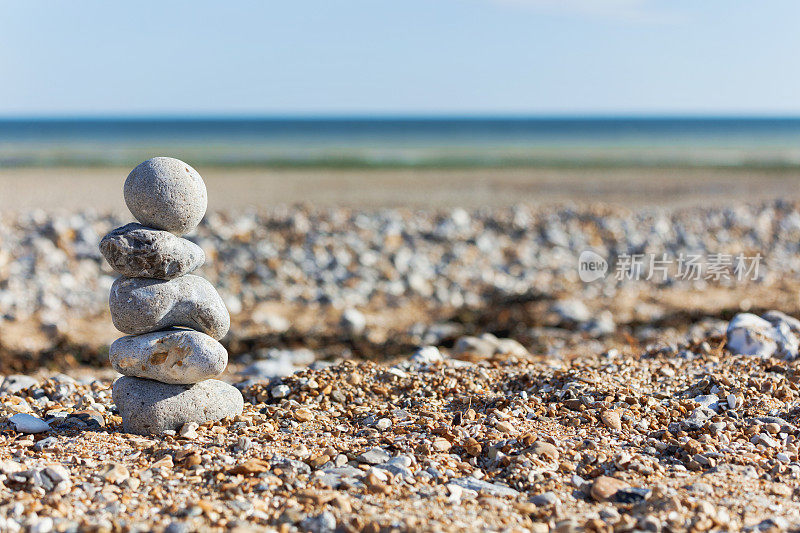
(174, 319)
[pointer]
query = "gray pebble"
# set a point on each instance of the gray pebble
(474, 345)
(324, 522)
(632, 495)
(571, 311)
(545, 498)
(41, 525)
(280, 391)
(426, 355)
(177, 357)
(484, 486)
(177, 527)
(47, 442)
(354, 321)
(166, 193)
(396, 469)
(374, 456)
(150, 407)
(25, 423)
(716, 427)
(139, 252)
(88, 419)
(141, 305)
(244, 444)
(268, 369)
(292, 467)
(383, 424)
(16, 382)
(335, 476)
(697, 418)
(700, 487)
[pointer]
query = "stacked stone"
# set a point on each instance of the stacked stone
(174, 319)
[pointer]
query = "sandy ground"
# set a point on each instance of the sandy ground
(655, 426)
(502, 443)
(76, 188)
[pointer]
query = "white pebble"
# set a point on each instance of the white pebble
(731, 401)
(189, 430)
(26, 423)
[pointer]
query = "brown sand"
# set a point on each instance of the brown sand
(76, 188)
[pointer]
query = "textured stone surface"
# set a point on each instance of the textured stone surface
(786, 332)
(142, 305)
(166, 193)
(25, 423)
(149, 407)
(139, 252)
(177, 357)
(749, 334)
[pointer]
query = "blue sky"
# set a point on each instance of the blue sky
(399, 57)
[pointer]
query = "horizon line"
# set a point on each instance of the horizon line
(393, 116)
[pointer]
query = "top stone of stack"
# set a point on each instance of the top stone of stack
(167, 194)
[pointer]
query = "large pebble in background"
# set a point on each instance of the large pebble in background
(166, 193)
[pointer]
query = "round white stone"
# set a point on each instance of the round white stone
(166, 193)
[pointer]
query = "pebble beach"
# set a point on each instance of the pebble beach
(422, 369)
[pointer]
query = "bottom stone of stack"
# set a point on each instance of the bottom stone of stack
(151, 407)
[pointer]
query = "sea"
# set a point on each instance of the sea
(408, 142)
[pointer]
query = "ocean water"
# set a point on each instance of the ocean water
(406, 142)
